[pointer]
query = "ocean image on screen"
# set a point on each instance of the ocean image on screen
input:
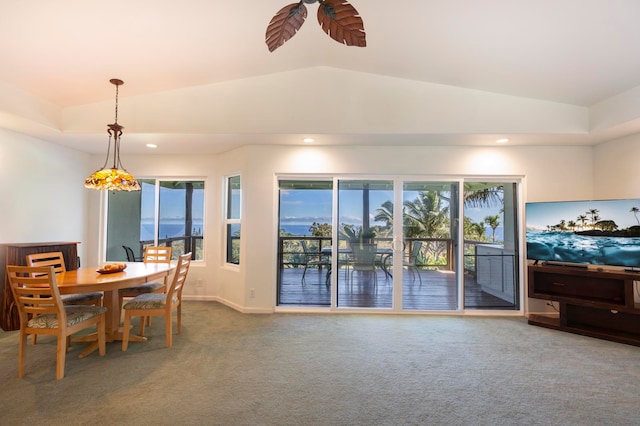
(604, 232)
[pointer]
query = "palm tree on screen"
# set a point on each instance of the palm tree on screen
(583, 220)
(635, 211)
(594, 216)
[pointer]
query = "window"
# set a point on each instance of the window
(163, 213)
(232, 219)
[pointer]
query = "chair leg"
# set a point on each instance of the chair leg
(125, 330)
(143, 320)
(167, 320)
(22, 353)
(417, 272)
(61, 355)
(102, 338)
(179, 313)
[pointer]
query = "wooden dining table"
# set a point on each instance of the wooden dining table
(87, 279)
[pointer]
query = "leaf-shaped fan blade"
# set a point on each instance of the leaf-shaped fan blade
(285, 24)
(341, 22)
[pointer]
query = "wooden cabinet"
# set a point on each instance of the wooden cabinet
(16, 254)
(592, 303)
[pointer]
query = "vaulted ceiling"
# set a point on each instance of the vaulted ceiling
(199, 77)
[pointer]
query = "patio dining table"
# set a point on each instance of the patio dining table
(385, 255)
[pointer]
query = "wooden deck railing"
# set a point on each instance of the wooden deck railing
(438, 252)
(183, 244)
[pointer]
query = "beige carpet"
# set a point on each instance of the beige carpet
(287, 369)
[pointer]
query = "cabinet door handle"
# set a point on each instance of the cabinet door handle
(558, 284)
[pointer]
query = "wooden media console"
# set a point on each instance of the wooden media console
(594, 303)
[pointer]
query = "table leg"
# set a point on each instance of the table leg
(113, 330)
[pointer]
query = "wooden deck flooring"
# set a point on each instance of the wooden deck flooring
(437, 292)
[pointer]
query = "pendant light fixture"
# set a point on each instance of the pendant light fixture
(115, 178)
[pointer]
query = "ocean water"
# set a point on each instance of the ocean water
(569, 247)
(296, 229)
(168, 230)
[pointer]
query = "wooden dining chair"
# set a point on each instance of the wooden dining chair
(152, 254)
(42, 311)
(56, 260)
(154, 304)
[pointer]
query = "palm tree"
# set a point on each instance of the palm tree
(474, 230)
(635, 211)
(478, 194)
(385, 214)
(425, 216)
(493, 222)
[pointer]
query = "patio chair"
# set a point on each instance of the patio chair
(317, 259)
(364, 260)
(410, 261)
(42, 311)
(131, 257)
(154, 304)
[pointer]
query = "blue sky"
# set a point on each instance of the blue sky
(302, 207)
(541, 215)
(172, 203)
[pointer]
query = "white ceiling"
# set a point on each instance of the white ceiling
(576, 52)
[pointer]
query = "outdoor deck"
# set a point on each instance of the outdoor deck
(437, 292)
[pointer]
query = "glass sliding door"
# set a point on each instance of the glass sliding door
(365, 242)
(398, 244)
(304, 242)
(429, 245)
(491, 248)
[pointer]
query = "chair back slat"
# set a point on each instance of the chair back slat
(179, 277)
(35, 290)
(157, 254)
(54, 258)
(364, 254)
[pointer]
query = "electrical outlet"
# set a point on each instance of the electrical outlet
(252, 292)
(199, 283)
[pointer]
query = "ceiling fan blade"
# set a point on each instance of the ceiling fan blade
(285, 24)
(342, 22)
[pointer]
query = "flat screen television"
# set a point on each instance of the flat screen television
(582, 233)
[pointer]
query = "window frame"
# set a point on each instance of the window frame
(230, 222)
(157, 182)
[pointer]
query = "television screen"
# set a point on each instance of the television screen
(604, 232)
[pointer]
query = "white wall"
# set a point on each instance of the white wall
(616, 168)
(42, 193)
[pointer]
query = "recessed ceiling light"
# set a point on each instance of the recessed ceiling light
(308, 140)
(152, 145)
(503, 140)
